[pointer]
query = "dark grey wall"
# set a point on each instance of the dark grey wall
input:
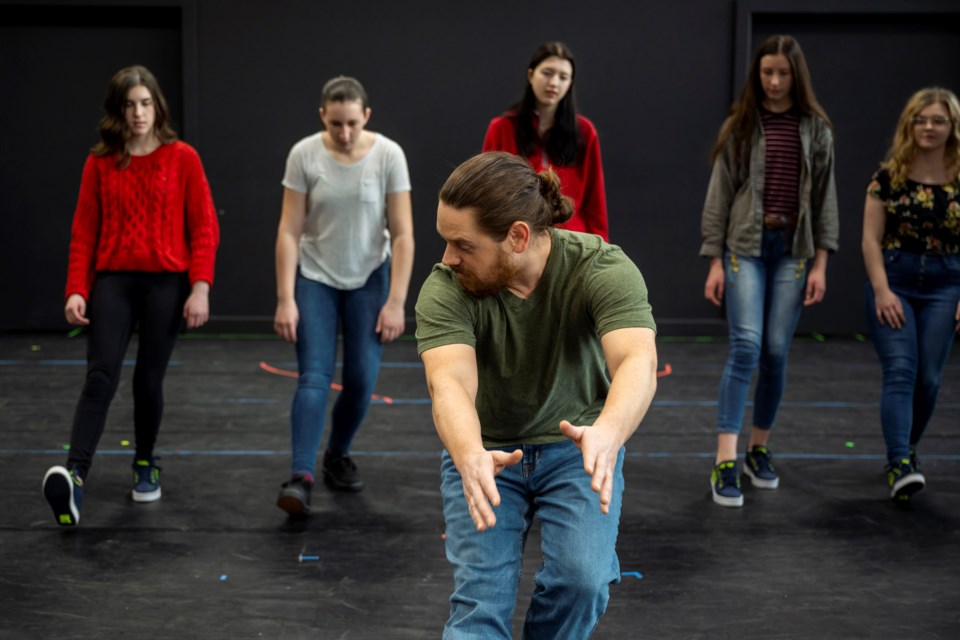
(656, 78)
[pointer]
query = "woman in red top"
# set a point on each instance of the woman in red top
(544, 127)
(142, 252)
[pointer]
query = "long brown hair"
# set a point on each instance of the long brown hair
(114, 132)
(742, 120)
(904, 147)
(501, 189)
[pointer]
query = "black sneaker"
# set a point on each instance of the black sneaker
(725, 484)
(904, 480)
(146, 481)
(294, 495)
(340, 473)
(758, 466)
(64, 491)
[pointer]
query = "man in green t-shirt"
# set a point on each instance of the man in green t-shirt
(518, 329)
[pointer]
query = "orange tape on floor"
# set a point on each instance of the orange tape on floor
(333, 385)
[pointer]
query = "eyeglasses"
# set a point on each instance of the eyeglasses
(937, 121)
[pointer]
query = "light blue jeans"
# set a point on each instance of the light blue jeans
(323, 310)
(578, 544)
(914, 356)
(764, 297)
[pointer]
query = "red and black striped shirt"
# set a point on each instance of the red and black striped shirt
(781, 182)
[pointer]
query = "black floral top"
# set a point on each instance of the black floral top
(921, 218)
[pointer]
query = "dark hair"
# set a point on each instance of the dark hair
(562, 142)
(742, 121)
(113, 126)
(343, 89)
(502, 189)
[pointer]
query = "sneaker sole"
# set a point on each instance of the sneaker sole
(58, 490)
(293, 505)
(725, 501)
(145, 496)
(907, 486)
(339, 486)
(758, 482)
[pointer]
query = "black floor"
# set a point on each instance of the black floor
(825, 556)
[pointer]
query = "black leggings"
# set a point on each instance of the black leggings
(120, 302)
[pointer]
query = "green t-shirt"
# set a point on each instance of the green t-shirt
(539, 360)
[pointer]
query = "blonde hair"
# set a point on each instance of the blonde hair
(904, 148)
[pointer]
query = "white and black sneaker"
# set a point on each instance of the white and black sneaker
(63, 489)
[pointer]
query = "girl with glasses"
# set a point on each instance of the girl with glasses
(911, 249)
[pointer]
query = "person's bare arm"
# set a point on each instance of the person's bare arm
(292, 217)
(391, 320)
(452, 381)
(631, 356)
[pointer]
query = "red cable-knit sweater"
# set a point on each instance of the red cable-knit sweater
(583, 182)
(156, 214)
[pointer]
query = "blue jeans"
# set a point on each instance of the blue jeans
(578, 544)
(322, 310)
(914, 356)
(763, 298)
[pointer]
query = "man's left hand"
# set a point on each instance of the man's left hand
(600, 450)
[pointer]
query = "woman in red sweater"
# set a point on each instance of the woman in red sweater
(545, 128)
(142, 252)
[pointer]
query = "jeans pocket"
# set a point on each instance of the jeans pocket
(891, 256)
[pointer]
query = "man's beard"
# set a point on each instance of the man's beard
(502, 273)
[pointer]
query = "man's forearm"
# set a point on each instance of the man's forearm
(456, 419)
(630, 395)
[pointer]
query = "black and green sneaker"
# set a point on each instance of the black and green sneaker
(758, 466)
(904, 479)
(146, 481)
(725, 484)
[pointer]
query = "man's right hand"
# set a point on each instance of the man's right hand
(477, 471)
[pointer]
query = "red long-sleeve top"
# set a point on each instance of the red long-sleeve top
(583, 182)
(156, 214)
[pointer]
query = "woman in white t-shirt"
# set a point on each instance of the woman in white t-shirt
(344, 257)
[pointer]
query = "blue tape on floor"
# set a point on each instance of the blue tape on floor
(69, 363)
(436, 454)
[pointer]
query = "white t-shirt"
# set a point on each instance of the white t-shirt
(345, 236)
